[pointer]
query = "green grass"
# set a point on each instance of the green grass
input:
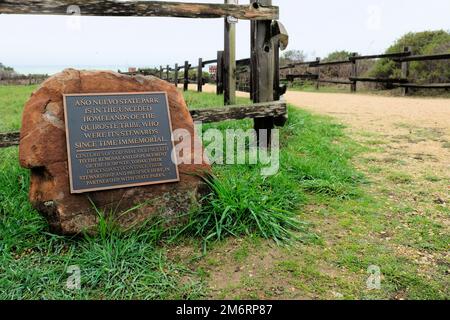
(244, 202)
(315, 159)
(12, 99)
(311, 87)
(33, 263)
(399, 177)
(317, 197)
(197, 100)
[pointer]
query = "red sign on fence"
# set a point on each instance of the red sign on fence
(213, 70)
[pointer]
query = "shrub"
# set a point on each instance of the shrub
(427, 42)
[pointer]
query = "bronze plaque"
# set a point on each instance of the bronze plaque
(118, 140)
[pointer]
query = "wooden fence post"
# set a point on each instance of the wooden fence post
(200, 75)
(219, 73)
(168, 73)
(354, 73)
(405, 71)
(318, 75)
(262, 69)
(161, 72)
(278, 90)
(175, 78)
(276, 75)
(186, 76)
(229, 72)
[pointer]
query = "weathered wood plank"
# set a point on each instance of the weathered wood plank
(175, 77)
(335, 81)
(405, 71)
(186, 76)
(303, 76)
(139, 73)
(424, 86)
(254, 111)
(399, 57)
(262, 69)
(238, 112)
(140, 9)
(297, 64)
(9, 139)
(318, 73)
(200, 75)
(206, 62)
(243, 62)
(380, 80)
(219, 73)
(328, 63)
(354, 72)
(229, 61)
(381, 56)
(443, 56)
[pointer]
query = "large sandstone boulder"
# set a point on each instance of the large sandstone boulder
(43, 150)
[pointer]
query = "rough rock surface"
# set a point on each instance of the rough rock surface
(43, 150)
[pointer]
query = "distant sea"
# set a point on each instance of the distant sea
(55, 69)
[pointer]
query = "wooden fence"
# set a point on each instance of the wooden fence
(404, 58)
(266, 41)
(176, 76)
(22, 79)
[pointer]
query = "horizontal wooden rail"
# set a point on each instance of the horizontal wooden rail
(380, 80)
(335, 81)
(243, 62)
(239, 63)
(140, 9)
(238, 112)
(205, 63)
(381, 56)
(424, 86)
(328, 63)
(298, 64)
(304, 76)
(140, 73)
(23, 77)
(430, 57)
(182, 67)
(398, 57)
(9, 139)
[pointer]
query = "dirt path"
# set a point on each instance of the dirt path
(405, 216)
(370, 111)
(419, 127)
(415, 131)
(424, 121)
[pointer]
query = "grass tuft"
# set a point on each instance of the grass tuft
(245, 205)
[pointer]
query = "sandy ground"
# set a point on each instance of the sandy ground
(417, 126)
(369, 111)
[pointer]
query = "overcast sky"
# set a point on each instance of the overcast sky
(50, 43)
